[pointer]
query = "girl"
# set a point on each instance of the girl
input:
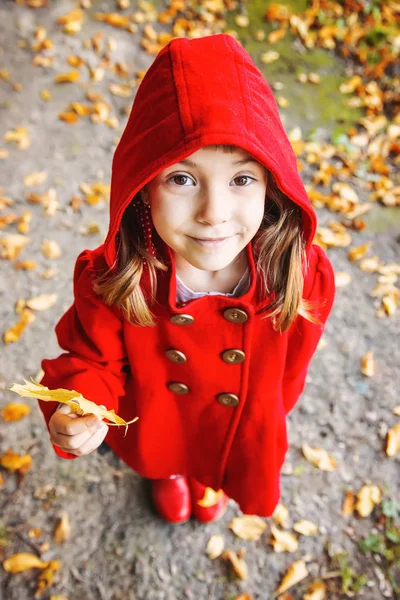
(202, 309)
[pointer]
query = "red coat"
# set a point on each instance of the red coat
(228, 428)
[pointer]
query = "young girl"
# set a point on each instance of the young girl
(202, 309)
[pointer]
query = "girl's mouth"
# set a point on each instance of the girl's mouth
(210, 243)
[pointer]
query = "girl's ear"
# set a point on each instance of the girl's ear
(144, 196)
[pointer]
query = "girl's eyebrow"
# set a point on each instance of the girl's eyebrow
(190, 163)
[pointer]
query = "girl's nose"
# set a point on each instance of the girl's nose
(213, 208)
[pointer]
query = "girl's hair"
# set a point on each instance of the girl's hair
(279, 255)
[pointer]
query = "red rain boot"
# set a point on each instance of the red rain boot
(206, 513)
(171, 498)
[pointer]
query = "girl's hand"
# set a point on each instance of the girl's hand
(74, 434)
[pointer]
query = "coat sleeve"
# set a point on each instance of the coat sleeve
(91, 333)
(304, 335)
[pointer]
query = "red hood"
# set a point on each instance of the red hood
(199, 92)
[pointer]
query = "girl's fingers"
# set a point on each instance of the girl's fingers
(71, 442)
(93, 442)
(65, 425)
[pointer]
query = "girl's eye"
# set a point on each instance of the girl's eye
(241, 177)
(180, 177)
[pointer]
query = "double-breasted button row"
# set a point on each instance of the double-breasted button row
(176, 356)
(234, 315)
(231, 356)
(226, 398)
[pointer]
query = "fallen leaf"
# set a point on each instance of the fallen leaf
(35, 178)
(342, 278)
(396, 410)
(46, 577)
(14, 333)
(19, 135)
(50, 249)
(25, 265)
(70, 77)
(317, 591)
(210, 498)
(319, 458)
(393, 440)
(34, 533)
(15, 411)
(238, 563)
(358, 252)
(305, 527)
(281, 515)
(16, 462)
(368, 365)
(77, 403)
(215, 546)
(11, 245)
(248, 527)
(16, 563)
(43, 302)
(284, 540)
(348, 504)
(296, 572)
(63, 529)
(367, 497)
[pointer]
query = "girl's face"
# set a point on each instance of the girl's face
(209, 196)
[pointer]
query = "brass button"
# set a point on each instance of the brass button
(182, 319)
(233, 356)
(178, 388)
(176, 356)
(235, 315)
(228, 399)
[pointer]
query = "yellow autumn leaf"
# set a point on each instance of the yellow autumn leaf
(393, 440)
(317, 591)
(70, 77)
(14, 411)
(296, 572)
(12, 244)
(46, 577)
(14, 333)
(210, 498)
(305, 527)
(368, 365)
(281, 515)
(342, 278)
(283, 541)
(367, 497)
(77, 403)
(396, 410)
(19, 135)
(16, 563)
(358, 251)
(50, 249)
(215, 546)
(42, 302)
(16, 462)
(237, 562)
(34, 533)
(319, 458)
(58, 597)
(248, 527)
(348, 504)
(62, 530)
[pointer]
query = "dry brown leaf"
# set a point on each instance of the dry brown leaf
(248, 527)
(317, 591)
(35, 178)
(50, 249)
(238, 563)
(15, 411)
(14, 333)
(42, 302)
(284, 541)
(348, 504)
(210, 498)
(305, 527)
(367, 497)
(16, 563)
(62, 530)
(77, 403)
(281, 515)
(215, 546)
(319, 458)
(296, 572)
(368, 366)
(393, 440)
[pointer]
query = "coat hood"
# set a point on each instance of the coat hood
(199, 92)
